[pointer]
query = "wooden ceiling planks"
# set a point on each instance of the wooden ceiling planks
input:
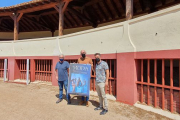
(41, 15)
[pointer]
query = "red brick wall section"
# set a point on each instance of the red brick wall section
(167, 101)
(176, 101)
(167, 104)
(145, 95)
(151, 97)
(159, 97)
(113, 87)
(139, 92)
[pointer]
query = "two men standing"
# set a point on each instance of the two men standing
(102, 75)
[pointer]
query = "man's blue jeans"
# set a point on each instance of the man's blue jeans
(61, 83)
(83, 98)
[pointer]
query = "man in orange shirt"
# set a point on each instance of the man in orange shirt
(85, 60)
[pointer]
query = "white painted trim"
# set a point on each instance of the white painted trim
(158, 111)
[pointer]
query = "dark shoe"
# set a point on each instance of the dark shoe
(98, 108)
(69, 102)
(58, 101)
(104, 112)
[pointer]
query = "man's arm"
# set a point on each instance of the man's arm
(56, 74)
(68, 68)
(107, 76)
(68, 71)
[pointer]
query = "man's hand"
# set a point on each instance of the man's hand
(56, 77)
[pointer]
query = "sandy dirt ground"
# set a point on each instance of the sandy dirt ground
(38, 102)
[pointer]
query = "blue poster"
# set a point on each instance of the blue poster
(79, 79)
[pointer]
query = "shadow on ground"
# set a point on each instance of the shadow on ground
(76, 99)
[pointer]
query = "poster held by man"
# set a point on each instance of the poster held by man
(79, 79)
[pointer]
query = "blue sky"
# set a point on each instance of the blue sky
(5, 3)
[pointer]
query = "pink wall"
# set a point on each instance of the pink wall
(126, 78)
(13, 68)
(127, 69)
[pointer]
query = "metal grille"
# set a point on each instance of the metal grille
(158, 83)
(1, 68)
(43, 70)
(111, 89)
(22, 69)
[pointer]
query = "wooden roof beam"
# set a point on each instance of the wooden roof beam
(56, 21)
(168, 4)
(5, 17)
(134, 8)
(42, 14)
(81, 20)
(8, 24)
(21, 24)
(27, 25)
(93, 14)
(102, 12)
(35, 22)
(108, 9)
(66, 25)
(74, 20)
(45, 22)
(129, 9)
(16, 26)
(151, 4)
(94, 24)
(91, 2)
(123, 5)
(52, 22)
(142, 5)
(6, 28)
(64, 7)
(116, 8)
(68, 20)
(38, 8)
(29, 15)
(33, 25)
(5, 13)
(163, 2)
(1, 20)
(17, 16)
(61, 7)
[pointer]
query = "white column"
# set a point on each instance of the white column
(27, 72)
(5, 69)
